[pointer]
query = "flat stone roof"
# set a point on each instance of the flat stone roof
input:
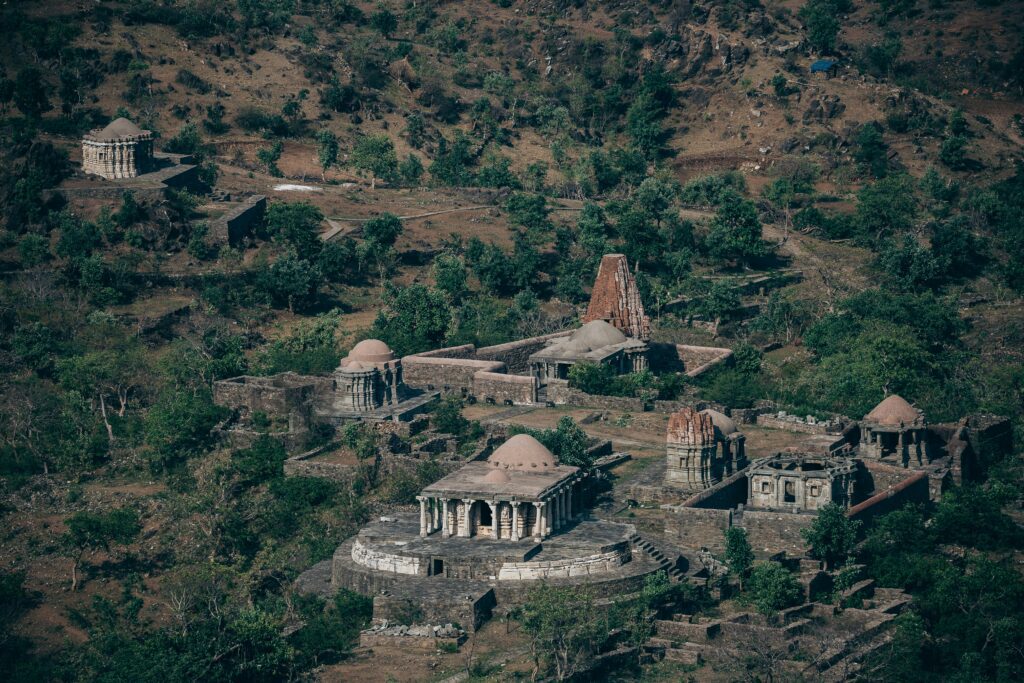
(527, 485)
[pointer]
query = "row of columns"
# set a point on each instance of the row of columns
(453, 517)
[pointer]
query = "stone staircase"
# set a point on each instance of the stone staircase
(655, 553)
(542, 395)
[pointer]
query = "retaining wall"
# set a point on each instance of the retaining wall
(501, 388)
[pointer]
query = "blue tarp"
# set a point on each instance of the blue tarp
(822, 65)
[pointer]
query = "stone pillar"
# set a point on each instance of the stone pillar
(515, 519)
(495, 520)
(423, 516)
(538, 530)
(446, 528)
(568, 502)
(467, 525)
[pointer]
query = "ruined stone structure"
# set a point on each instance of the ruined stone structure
(121, 150)
(495, 527)
(596, 342)
(800, 483)
(692, 453)
(366, 385)
(894, 429)
(615, 299)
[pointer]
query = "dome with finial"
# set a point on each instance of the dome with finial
(894, 411)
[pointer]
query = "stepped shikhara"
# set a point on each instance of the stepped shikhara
(616, 299)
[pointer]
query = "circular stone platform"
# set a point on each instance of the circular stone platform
(390, 552)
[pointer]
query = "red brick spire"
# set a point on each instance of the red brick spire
(616, 299)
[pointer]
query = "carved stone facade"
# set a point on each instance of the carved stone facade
(692, 452)
(369, 378)
(615, 299)
(121, 150)
(797, 483)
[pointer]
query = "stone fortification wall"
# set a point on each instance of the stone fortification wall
(599, 563)
(689, 527)
(773, 532)
(913, 489)
(990, 436)
(239, 222)
(445, 373)
(380, 561)
(515, 355)
(500, 388)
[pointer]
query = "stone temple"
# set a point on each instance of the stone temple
(121, 150)
(520, 491)
(597, 342)
(485, 534)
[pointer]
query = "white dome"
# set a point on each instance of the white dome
(522, 452)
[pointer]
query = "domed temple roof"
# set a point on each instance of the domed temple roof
(894, 411)
(522, 452)
(723, 423)
(597, 334)
(371, 351)
(119, 128)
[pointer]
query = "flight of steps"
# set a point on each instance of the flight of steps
(656, 554)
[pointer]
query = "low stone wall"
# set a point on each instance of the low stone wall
(386, 562)
(239, 222)
(560, 393)
(688, 527)
(774, 532)
(601, 563)
(275, 396)
(792, 423)
(500, 388)
(424, 643)
(467, 604)
(515, 355)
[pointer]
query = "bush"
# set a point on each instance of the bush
(771, 587)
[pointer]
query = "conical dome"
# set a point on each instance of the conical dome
(893, 411)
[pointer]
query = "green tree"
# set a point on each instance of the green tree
(384, 22)
(564, 628)
(450, 276)
(88, 532)
(771, 587)
(738, 553)
(30, 92)
(832, 535)
(326, 151)
(179, 424)
(885, 207)
(296, 224)
(413, 319)
(735, 233)
(269, 156)
(415, 130)
(821, 20)
(290, 280)
(871, 149)
(375, 154)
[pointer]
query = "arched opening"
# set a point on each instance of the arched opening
(486, 527)
(789, 492)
